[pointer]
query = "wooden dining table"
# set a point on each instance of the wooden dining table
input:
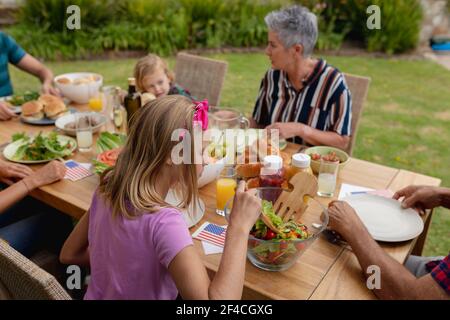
(324, 271)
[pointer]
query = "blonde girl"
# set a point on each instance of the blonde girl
(154, 77)
(137, 245)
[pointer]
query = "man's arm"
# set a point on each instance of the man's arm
(33, 66)
(310, 135)
(396, 281)
(254, 124)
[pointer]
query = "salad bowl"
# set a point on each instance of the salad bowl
(273, 251)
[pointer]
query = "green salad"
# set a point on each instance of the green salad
(20, 99)
(40, 147)
(279, 247)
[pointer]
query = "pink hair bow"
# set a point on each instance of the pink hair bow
(201, 114)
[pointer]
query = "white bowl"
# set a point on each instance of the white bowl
(211, 172)
(62, 121)
(81, 92)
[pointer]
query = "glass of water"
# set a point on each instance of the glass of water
(84, 132)
(327, 178)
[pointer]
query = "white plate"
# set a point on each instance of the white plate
(190, 216)
(15, 109)
(62, 121)
(11, 149)
(385, 219)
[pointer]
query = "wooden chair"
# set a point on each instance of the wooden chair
(359, 87)
(202, 77)
(22, 279)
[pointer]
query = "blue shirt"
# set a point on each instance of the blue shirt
(10, 52)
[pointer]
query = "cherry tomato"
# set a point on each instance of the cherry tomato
(269, 235)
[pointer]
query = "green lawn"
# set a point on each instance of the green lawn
(405, 124)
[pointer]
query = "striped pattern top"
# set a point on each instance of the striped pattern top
(323, 103)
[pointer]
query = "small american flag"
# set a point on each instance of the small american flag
(211, 233)
(75, 171)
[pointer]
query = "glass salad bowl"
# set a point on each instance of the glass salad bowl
(270, 251)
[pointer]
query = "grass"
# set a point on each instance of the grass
(405, 123)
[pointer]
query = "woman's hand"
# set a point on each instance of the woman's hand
(246, 209)
(288, 129)
(5, 112)
(50, 173)
(10, 172)
(420, 197)
(344, 220)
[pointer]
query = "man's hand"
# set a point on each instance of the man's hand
(344, 220)
(5, 112)
(47, 88)
(420, 197)
(10, 172)
(288, 129)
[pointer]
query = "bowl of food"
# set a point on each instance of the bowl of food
(214, 158)
(327, 153)
(79, 87)
(279, 250)
(67, 123)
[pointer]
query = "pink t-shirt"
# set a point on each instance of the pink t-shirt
(130, 258)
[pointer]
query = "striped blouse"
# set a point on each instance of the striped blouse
(323, 103)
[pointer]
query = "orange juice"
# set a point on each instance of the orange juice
(95, 104)
(226, 188)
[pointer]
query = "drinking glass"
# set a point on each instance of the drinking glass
(225, 189)
(96, 100)
(327, 178)
(84, 132)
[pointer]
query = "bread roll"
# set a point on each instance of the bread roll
(33, 110)
(249, 170)
(64, 80)
(53, 106)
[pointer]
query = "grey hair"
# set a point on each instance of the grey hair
(294, 25)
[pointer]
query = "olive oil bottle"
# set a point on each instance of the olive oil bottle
(132, 100)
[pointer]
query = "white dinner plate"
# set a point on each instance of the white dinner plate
(385, 219)
(191, 216)
(63, 120)
(10, 150)
(15, 109)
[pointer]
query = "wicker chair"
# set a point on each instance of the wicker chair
(202, 77)
(22, 279)
(359, 87)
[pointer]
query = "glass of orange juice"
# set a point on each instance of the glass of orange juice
(225, 189)
(96, 101)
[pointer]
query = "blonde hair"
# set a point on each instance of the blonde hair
(147, 66)
(130, 186)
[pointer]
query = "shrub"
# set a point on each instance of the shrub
(400, 22)
(400, 26)
(166, 26)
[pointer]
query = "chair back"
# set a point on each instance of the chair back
(23, 280)
(359, 87)
(202, 77)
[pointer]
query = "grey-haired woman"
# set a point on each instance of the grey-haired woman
(304, 98)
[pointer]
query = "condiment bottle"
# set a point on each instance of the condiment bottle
(300, 163)
(271, 174)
